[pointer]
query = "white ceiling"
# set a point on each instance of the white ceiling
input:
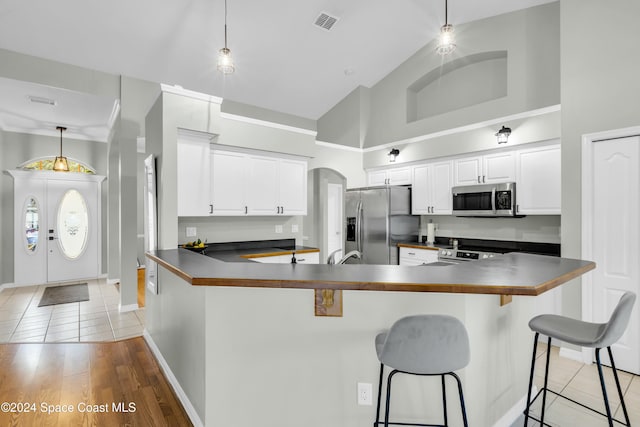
(283, 62)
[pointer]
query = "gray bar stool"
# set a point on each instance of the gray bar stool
(585, 334)
(424, 345)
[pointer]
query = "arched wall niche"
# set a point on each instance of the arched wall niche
(457, 84)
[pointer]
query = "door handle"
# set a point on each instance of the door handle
(482, 178)
(246, 210)
(210, 209)
(281, 209)
(478, 179)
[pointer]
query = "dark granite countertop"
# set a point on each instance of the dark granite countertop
(244, 251)
(508, 274)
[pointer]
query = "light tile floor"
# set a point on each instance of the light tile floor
(21, 320)
(580, 382)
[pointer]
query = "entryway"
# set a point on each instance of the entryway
(57, 226)
(611, 232)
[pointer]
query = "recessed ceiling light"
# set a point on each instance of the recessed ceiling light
(41, 100)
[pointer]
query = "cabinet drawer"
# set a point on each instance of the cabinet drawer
(308, 258)
(419, 255)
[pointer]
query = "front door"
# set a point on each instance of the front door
(616, 219)
(73, 235)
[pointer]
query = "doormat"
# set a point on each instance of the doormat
(64, 294)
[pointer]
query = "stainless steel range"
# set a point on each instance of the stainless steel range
(464, 255)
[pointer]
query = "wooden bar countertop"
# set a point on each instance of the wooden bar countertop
(507, 274)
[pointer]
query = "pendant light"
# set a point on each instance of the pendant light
(446, 41)
(225, 61)
(60, 164)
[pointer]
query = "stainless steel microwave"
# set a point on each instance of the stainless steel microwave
(485, 200)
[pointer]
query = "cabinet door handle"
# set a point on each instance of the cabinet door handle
(210, 209)
(411, 253)
(482, 178)
(281, 209)
(246, 210)
(517, 208)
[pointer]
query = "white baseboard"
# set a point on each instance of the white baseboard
(512, 415)
(128, 307)
(182, 396)
(576, 355)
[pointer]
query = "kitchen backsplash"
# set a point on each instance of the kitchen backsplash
(533, 228)
(234, 229)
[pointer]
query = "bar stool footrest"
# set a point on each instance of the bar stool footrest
(570, 400)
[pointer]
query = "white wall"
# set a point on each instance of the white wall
(600, 91)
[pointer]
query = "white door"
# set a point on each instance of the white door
(73, 232)
(335, 219)
(616, 215)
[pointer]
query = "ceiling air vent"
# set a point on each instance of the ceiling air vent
(41, 100)
(325, 21)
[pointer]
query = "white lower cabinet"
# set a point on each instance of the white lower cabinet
(415, 256)
(304, 258)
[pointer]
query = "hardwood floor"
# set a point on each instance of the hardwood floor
(99, 384)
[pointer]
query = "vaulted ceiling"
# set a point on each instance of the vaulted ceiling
(283, 61)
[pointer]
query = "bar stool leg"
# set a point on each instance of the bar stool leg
(604, 389)
(464, 410)
(386, 409)
(615, 375)
(546, 378)
(444, 402)
(377, 421)
(533, 365)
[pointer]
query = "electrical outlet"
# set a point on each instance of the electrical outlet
(365, 394)
(294, 228)
(191, 231)
(278, 228)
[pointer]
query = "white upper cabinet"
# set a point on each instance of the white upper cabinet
(490, 168)
(250, 184)
(228, 183)
(431, 191)
(262, 185)
(391, 176)
(193, 183)
(292, 187)
(538, 188)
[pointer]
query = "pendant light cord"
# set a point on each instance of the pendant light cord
(446, 14)
(225, 24)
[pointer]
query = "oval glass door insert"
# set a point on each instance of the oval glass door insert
(73, 224)
(31, 224)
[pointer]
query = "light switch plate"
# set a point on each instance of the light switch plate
(191, 231)
(278, 228)
(294, 228)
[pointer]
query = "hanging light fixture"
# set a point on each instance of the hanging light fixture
(60, 164)
(446, 41)
(503, 135)
(225, 61)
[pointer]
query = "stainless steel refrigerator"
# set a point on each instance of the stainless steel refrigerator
(378, 218)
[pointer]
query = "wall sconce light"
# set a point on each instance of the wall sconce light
(393, 154)
(503, 135)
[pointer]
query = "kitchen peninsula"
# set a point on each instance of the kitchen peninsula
(244, 348)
